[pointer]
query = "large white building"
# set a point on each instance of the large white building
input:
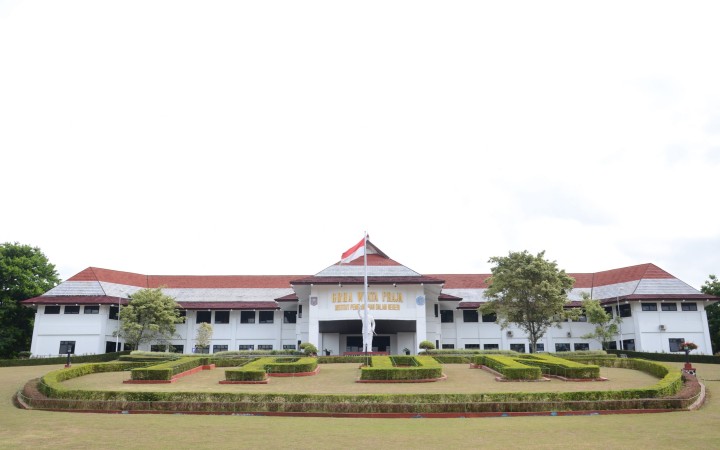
(279, 311)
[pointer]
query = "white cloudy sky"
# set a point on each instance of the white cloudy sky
(225, 137)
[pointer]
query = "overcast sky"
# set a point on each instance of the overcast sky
(226, 137)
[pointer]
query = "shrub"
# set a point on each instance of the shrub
(417, 368)
(165, 371)
(308, 348)
(102, 357)
(427, 345)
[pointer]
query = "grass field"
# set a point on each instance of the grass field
(39, 429)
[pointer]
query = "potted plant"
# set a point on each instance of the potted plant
(687, 347)
(406, 350)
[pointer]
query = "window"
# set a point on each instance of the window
(609, 310)
(114, 312)
(492, 317)
(675, 344)
(437, 308)
(289, 347)
(628, 344)
(222, 317)
(201, 350)
(689, 306)
(300, 311)
(266, 317)
(581, 346)
(612, 345)
(182, 313)
(470, 315)
(491, 346)
(668, 306)
(52, 309)
(289, 316)
(565, 347)
(203, 316)
(111, 347)
(540, 347)
(92, 309)
(265, 346)
(179, 348)
(625, 310)
(220, 348)
(247, 316)
(446, 316)
(72, 309)
(649, 306)
(246, 347)
(520, 348)
(448, 346)
(158, 348)
(471, 346)
(67, 347)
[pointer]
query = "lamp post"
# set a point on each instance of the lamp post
(117, 335)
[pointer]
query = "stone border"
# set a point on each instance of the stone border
(424, 380)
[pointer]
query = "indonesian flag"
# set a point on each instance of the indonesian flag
(354, 252)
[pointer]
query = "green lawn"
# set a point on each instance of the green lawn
(39, 429)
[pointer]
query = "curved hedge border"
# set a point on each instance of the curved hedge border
(166, 370)
(669, 357)
(240, 402)
(509, 366)
(102, 357)
(258, 369)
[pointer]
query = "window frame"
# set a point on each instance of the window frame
(204, 313)
(689, 306)
(446, 314)
(74, 309)
(470, 312)
(55, 309)
(94, 309)
(262, 313)
(290, 316)
(225, 317)
(648, 306)
(668, 307)
(245, 316)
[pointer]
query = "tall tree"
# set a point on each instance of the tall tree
(606, 328)
(25, 272)
(529, 291)
(149, 316)
(712, 287)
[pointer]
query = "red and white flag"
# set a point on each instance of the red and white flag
(354, 252)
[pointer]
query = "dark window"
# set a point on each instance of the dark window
(201, 350)
(629, 344)
(491, 346)
(520, 348)
(182, 313)
(91, 309)
(471, 346)
(436, 308)
(668, 306)
(564, 347)
(625, 310)
(52, 309)
(580, 346)
(220, 348)
(114, 312)
(289, 316)
(72, 309)
(247, 316)
(675, 344)
(265, 346)
(266, 317)
(540, 347)
(177, 348)
(300, 311)
(158, 348)
(612, 345)
(492, 317)
(246, 347)
(470, 315)
(609, 310)
(448, 346)
(649, 306)
(110, 347)
(689, 306)
(289, 347)
(446, 316)
(127, 347)
(203, 316)
(67, 347)
(222, 317)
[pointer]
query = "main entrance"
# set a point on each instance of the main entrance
(380, 344)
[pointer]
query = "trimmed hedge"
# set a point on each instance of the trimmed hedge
(245, 353)
(165, 371)
(341, 359)
(509, 367)
(383, 368)
(554, 365)
(102, 357)
(669, 357)
(257, 369)
(453, 359)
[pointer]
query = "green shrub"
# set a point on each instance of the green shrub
(102, 357)
(165, 371)
(340, 359)
(427, 345)
(669, 357)
(383, 368)
(554, 365)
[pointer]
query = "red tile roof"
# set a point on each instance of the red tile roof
(371, 280)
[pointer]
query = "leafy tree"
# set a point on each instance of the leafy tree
(427, 345)
(204, 335)
(712, 287)
(529, 291)
(150, 315)
(25, 272)
(308, 348)
(606, 327)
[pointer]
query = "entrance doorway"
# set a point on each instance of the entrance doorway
(380, 344)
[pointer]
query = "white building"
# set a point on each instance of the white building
(280, 311)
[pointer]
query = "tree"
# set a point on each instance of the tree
(150, 315)
(25, 272)
(606, 328)
(528, 291)
(427, 345)
(204, 336)
(712, 287)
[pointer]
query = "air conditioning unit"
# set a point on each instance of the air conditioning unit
(662, 327)
(509, 334)
(569, 334)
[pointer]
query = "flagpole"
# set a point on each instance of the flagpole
(366, 322)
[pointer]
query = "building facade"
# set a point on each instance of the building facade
(273, 312)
